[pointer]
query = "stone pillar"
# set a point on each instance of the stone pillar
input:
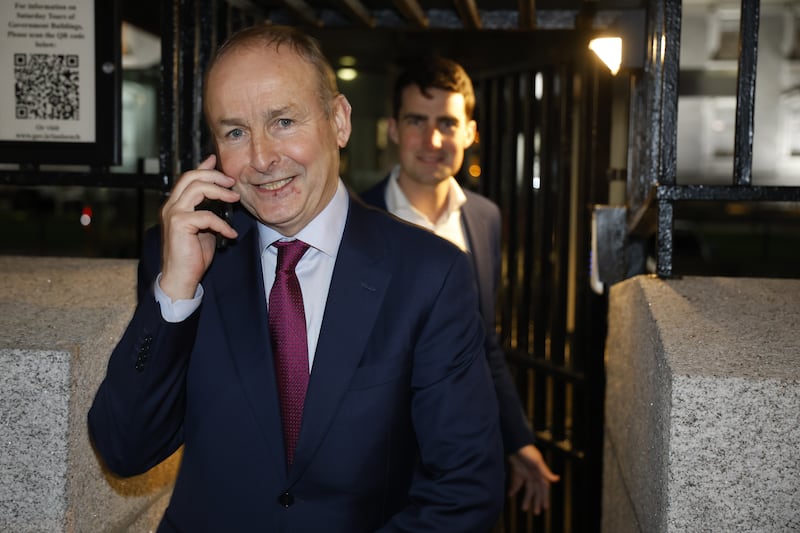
(59, 320)
(702, 422)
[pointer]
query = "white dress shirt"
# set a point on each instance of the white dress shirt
(449, 225)
(314, 271)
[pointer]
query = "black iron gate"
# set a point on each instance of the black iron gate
(544, 149)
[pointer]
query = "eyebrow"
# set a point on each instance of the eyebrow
(269, 115)
(274, 113)
(230, 122)
(438, 118)
(412, 115)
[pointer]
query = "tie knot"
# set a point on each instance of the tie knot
(289, 254)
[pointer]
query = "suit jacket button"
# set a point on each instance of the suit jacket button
(286, 500)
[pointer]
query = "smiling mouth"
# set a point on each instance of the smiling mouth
(431, 159)
(275, 185)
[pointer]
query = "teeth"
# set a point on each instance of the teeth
(275, 184)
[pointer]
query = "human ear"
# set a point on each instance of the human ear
(341, 117)
(472, 131)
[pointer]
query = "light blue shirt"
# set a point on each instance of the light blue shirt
(314, 271)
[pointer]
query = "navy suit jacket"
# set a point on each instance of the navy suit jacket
(481, 219)
(400, 428)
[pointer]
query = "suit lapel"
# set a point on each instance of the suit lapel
(240, 296)
(356, 292)
(478, 238)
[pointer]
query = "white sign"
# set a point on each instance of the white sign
(47, 71)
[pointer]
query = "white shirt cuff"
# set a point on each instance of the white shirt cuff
(179, 310)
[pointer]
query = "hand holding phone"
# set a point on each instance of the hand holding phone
(190, 236)
(223, 210)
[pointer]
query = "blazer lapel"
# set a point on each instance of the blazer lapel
(240, 296)
(356, 292)
(478, 238)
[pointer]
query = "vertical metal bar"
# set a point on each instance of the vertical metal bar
(490, 113)
(527, 14)
(224, 17)
(491, 155)
(221, 10)
(168, 91)
(187, 119)
(655, 69)
(482, 117)
(529, 126)
(205, 44)
(645, 118)
(746, 93)
(639, 128)
(661, 23)
(516, 229)
(509, 190)
(549, 123)
(664, 243)
(668, 132)
(526, 128)
(559, 229)
(668, 161)
(518, 125)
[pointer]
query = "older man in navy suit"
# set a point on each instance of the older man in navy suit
(432, 125)
(359, 398)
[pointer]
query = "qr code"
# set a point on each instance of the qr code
(47, 86)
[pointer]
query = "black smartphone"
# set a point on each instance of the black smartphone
(223, 210)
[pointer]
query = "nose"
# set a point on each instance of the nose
(433, 137)
(264, 152)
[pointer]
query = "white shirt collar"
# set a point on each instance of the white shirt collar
(448, 226)
(396, 200)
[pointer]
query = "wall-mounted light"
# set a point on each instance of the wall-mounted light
(347, 74)
(609, 50)
(622, 44)
(347, 71)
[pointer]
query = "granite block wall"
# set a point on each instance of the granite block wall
(59, 320)
(702, 427)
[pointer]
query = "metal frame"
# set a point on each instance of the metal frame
(655, 122)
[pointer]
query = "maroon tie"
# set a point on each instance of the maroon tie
(287, 328)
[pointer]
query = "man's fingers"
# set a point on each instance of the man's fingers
(515, 485)
(529, 496)
(205, 181)
(547, 473)
(208, 221)
(208, 163)
(537, 503)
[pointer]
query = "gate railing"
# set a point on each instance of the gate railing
(652, 181)
(542, 150)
